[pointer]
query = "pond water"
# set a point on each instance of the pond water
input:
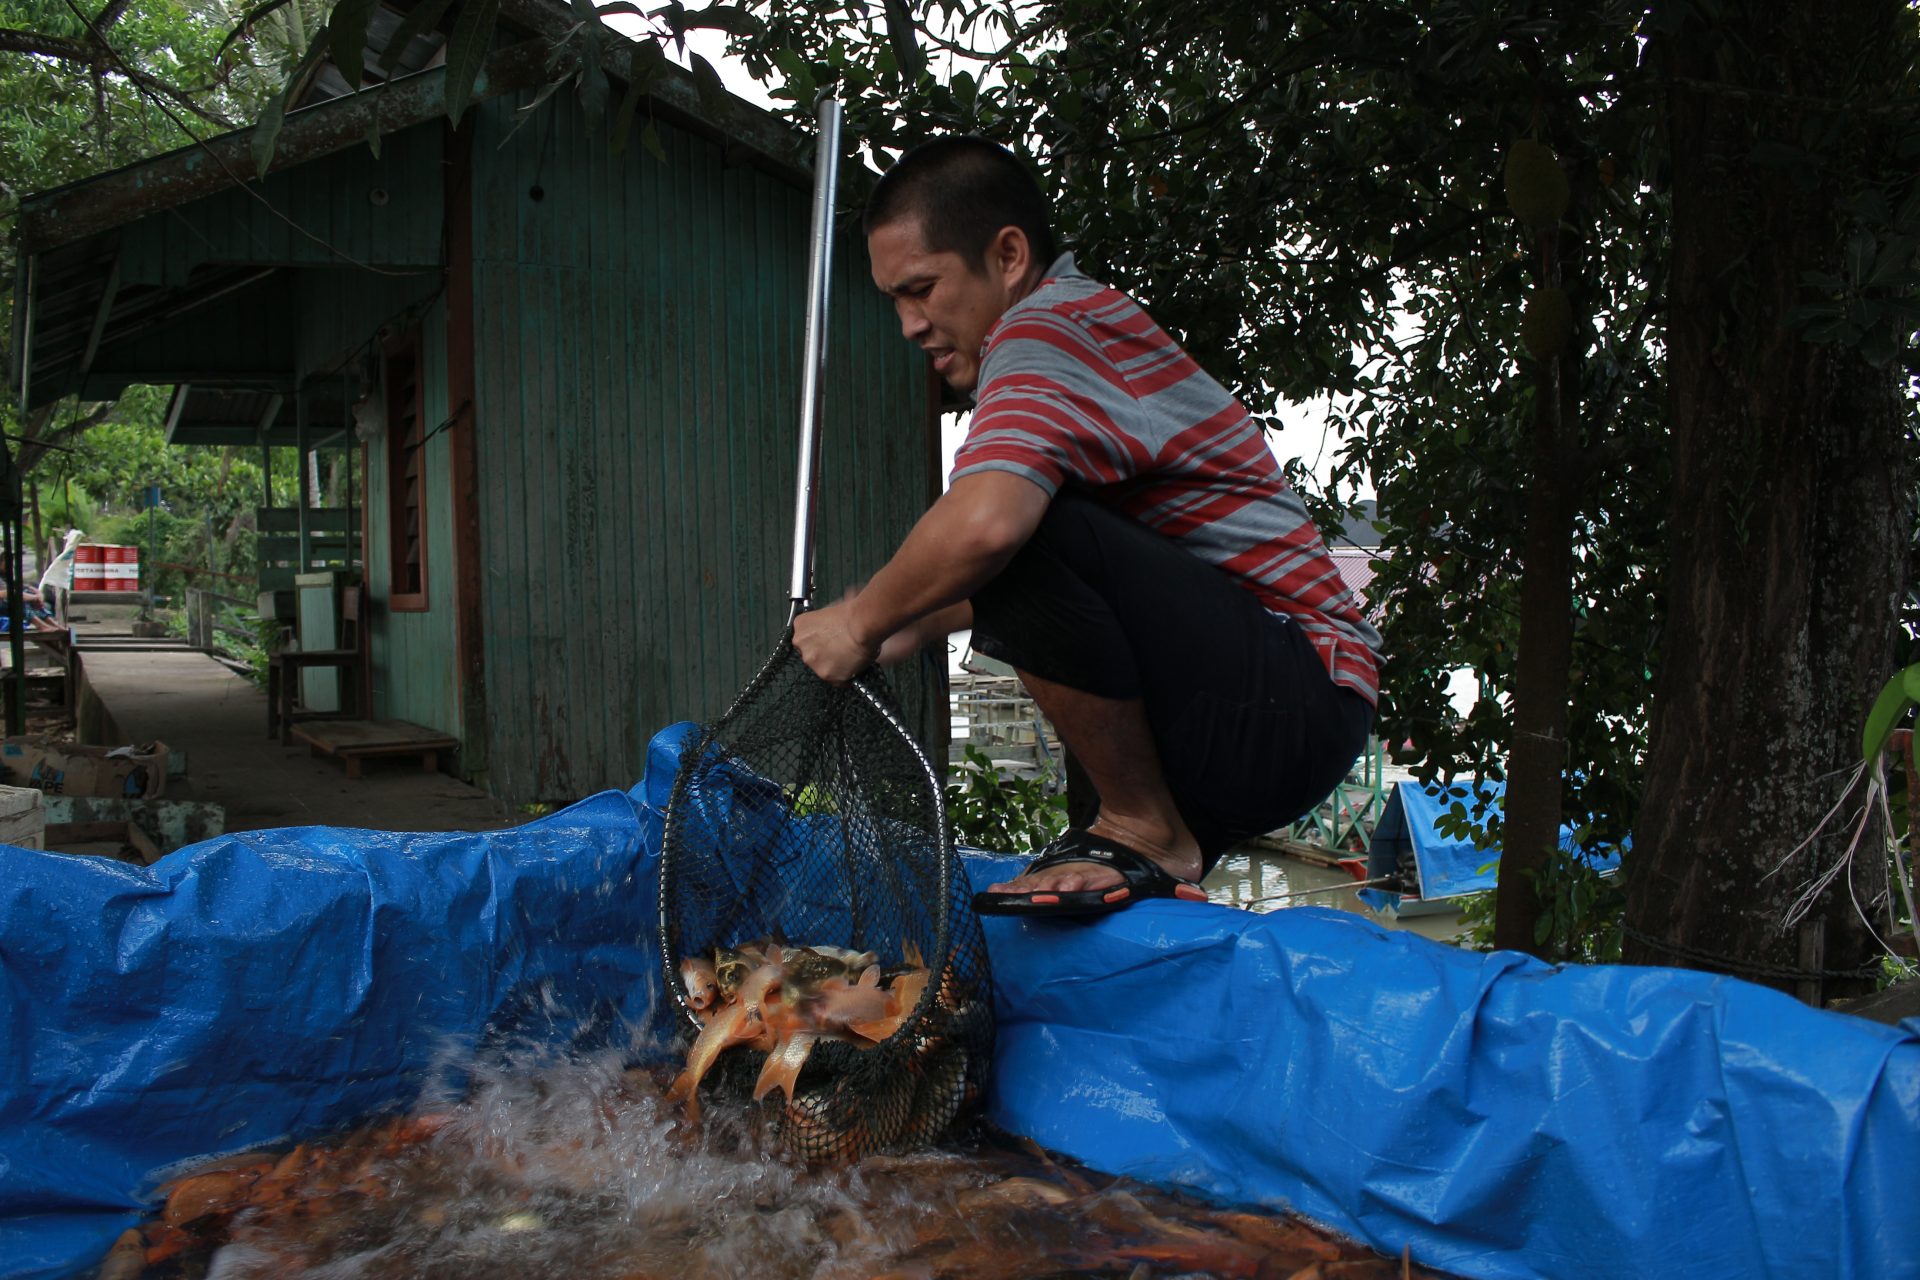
(578, 1168)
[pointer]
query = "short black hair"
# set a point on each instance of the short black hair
(963, 189)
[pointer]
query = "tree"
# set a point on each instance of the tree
(1796, 208)
(84, 92)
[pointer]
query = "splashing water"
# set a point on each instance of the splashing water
(545, 1166)
(575, 1169)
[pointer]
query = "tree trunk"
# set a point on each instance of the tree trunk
(1537, 758)
(1537, 761)
(1790, 522)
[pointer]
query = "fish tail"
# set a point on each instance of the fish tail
(783, 1066)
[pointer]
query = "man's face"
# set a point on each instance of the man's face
(946, 305)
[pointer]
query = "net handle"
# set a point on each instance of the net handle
(813, 374)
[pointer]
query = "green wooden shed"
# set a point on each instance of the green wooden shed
(572, 378)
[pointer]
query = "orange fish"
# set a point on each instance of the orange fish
(903, 997)
(783, 1065)
(740, 1022)
(701, 982)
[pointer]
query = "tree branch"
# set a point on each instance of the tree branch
(96, 54)
(41, 45)
(34, 445)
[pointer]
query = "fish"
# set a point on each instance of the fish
(905, 998)
(784, 1000)
(939, 1090)
(735, 1024)
(731, 965)
(825, 1125)
(701, 982)
(838, 1005)
(783, 1065)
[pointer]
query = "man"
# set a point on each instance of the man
(1118, 532)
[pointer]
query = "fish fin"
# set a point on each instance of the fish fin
(907, 989)
(714, 1037)
(876, 1029)
(783, 1065)
(869, 976)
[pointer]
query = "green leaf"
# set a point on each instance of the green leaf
(420, 19)
(349, 27)
(242, 27)
(643, 70)
(467, 53)
(731, 19)
(1899, 696)
(713, 93)
(903, 40)
(799, 74)
(266, 132)
(650, 139)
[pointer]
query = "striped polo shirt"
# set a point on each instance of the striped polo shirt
(1079, 387)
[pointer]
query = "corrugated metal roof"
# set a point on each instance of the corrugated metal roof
(1356, 566)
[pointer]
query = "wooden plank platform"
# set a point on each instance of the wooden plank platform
(354, 740)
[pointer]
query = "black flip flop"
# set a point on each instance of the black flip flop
(1141, 877)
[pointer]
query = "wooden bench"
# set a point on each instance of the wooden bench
(353, 741)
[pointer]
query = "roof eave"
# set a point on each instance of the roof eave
(73, 212)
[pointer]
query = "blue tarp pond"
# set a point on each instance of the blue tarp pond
(1500, 1116)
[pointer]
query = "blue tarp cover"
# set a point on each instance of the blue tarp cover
(1448, 866)
(1502, 1117)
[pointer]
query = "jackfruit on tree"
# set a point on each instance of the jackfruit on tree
(1536, 184)
(1547, 323)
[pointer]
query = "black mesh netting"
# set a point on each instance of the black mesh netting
(808, 817)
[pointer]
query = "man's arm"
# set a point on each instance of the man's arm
(965, 539)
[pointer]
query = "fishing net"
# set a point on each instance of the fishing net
(807, 815)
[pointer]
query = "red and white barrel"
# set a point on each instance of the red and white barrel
(89, 567)
(122, 568)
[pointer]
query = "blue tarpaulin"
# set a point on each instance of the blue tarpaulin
(1448, 866)
(1500, 1116)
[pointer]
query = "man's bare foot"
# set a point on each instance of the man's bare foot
(1178, 854)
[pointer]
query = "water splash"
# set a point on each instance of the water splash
(575, 1167)
(536, 1163)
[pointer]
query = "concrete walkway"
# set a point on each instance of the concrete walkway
(194, 704)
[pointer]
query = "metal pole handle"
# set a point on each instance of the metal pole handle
(813, 379)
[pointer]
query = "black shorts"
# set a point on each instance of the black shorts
(1252, 731)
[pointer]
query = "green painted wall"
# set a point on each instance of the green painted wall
(638, 342)
(413, 653)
